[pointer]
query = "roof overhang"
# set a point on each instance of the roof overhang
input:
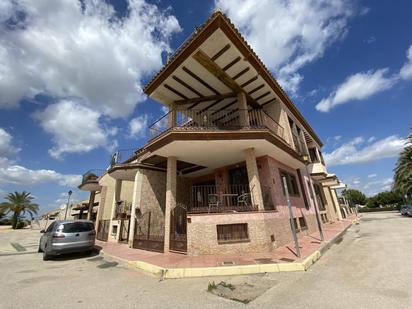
(90, 185)
(212, 66)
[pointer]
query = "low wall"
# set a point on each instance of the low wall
(265, 229)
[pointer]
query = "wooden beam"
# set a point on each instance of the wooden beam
(221, 75)
(232, 63)
(249, 81)
(220, 52)
(269, 101)
(175, 91)
(184, 84)
(256, 89)
(262, 96)
(204, 99)
(200, 80)
(241, 73)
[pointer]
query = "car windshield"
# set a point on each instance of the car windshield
(76, 227)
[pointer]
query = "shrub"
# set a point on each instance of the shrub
(20, 225)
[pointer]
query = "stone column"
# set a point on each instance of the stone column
(171, 189)
(91, 202)
(329, 204)
(171, 118)
(243, 112)
(336, 203)
(116, 198)
(100, 209)
(137, 191)
(254, 182)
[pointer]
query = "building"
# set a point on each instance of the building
(213, 177)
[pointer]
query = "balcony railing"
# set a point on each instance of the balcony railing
(299, 144)
(92, 175)
(225, 119)
(123, 210)
(122, 155)
(231, 198)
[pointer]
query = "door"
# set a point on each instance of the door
(178, 229)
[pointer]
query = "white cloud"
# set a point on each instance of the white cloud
(352, 152)
(287, 35)
(138, 126)
(368, 186)
(406, 70)
(19, 175)
(12, 173)
(61, 49)
(357, 87)
(6, 147)
(373, 175)
(75, 128)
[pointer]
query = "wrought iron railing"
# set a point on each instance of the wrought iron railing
(122, 155)
(224, 119)
(92, 175)
(123, 210)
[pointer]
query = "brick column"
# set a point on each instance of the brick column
(243, 113)
(137, 191)
(254, 182)
(171, 189)
(91, 202)
(116, 198)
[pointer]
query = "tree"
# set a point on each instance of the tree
(19, 204)
(387, 198)
(354, 196)
(403, 171)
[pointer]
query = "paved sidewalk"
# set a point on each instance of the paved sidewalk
(309, 244)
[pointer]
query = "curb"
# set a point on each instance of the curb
(18, 253)
(179, 273)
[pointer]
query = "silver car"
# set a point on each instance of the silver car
(66, 237)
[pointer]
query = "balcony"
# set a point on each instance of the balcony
(215, 120)
(223, 199)
(90, 180)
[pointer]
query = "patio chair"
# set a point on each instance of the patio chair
(244, 200)
(214, 201)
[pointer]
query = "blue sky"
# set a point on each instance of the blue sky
(71, 79)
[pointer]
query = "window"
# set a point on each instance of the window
(324, 218)
(302, 223)
(76, 227)
(313, 155)
(50, 228)
(232, 233)
(321, 158)
(291, 183)
(319, 196)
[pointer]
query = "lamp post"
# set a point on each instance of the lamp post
(306, 160)
(68, 202)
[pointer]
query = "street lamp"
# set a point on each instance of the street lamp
(68, 201)
(306, 160)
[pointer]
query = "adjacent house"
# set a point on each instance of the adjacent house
(214, 176)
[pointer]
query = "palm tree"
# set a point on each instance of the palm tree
(19, 204)
(403, 171)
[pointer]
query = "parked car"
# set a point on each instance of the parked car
(404, 209)
(409, 211)
(67, 237)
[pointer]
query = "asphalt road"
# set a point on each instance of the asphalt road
(370, 268)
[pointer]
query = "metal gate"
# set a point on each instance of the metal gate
(178, 229)
(103, 230)
(149, 234)
(124, 230)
